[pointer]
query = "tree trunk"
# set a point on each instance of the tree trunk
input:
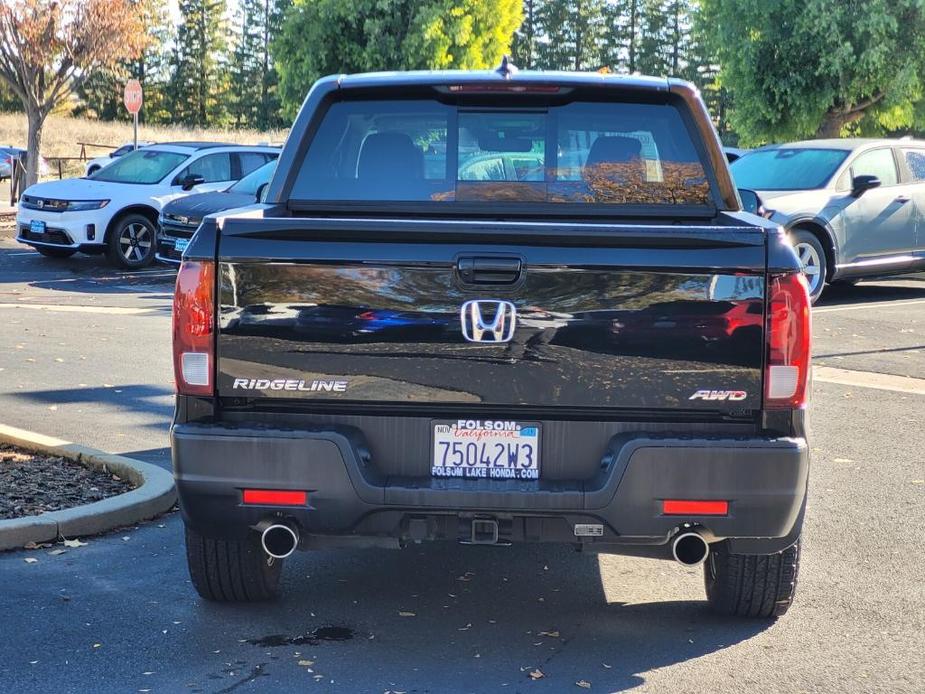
(578, 37)
(632, 37)
(33, 143)
(834, 122)
(263, 120)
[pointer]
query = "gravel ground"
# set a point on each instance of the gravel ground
(32, 483)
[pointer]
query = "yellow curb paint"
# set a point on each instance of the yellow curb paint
(110, 310)
(867, 379)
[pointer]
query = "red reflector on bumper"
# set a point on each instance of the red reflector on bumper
(686, 507)
(275, 497)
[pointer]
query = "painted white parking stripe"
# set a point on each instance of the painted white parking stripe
(867, 379)
(862, 307)
(109, 310)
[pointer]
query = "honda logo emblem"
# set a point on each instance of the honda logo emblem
(488, 321)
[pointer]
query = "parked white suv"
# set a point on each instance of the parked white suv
(115, 210)
(98, 163)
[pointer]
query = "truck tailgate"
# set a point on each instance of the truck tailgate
(568, 318)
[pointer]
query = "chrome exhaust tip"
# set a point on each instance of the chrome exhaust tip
(279, 540)
(690, 549)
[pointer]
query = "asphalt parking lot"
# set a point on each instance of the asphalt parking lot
(84, 355)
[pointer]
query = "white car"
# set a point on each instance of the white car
(115, 210)
(98, 163)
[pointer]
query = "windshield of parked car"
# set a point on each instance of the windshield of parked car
(144, 166)
(256, 178)
(796, 168)
(601, 152)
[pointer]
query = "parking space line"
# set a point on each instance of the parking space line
(860, 307)
(109, 310)
(867, 379)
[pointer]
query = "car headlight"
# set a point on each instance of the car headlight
(83, 205)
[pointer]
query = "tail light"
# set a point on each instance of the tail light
(789, 328)
(193, 327)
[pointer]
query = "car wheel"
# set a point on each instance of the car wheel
(812, 259)
(55, 252)
(752, 585)
(131, 242)
(231, 570)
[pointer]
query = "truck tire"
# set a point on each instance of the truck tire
(752, 585)
(231, 570)
(132, 242)
(55, 252)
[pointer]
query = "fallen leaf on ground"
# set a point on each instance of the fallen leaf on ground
(56, 552)
(406, 614)
(584, 684)
(31, 560)
(536, 674)
(550, 634)
(606, 665)
(306, 663)
(75, 543)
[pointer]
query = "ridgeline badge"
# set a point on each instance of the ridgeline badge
(290, 384)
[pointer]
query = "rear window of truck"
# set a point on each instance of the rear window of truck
(579, 153)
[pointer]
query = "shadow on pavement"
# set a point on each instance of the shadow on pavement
(155, 456)
(85, 274)
(433, 618)
(483, 617)
(138, 397)
(913, 287)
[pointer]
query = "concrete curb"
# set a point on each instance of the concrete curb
(154, 494)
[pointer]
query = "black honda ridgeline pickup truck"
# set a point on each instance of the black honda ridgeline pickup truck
(495, 307)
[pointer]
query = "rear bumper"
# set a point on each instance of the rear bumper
(764, 480)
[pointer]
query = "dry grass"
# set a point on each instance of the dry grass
(62, 133)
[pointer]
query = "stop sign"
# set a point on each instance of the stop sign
(133, 96)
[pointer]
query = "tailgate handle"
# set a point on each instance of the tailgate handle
(487, 270)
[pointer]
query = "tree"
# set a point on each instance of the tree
(321, 37)
(574, 31)
(101, 94)
(200, 81)
(256, 99)
(8, 100)
(805, 68)
(524, 45)
(48, 48)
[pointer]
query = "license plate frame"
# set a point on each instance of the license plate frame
(37, 226)
(485, 434)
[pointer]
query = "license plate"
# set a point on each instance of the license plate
(180, 245)
(486, 448)
(37, 227)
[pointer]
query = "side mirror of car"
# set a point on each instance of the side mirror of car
(191, 181)
(262, 192)
(750, 201)
(863, 183)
